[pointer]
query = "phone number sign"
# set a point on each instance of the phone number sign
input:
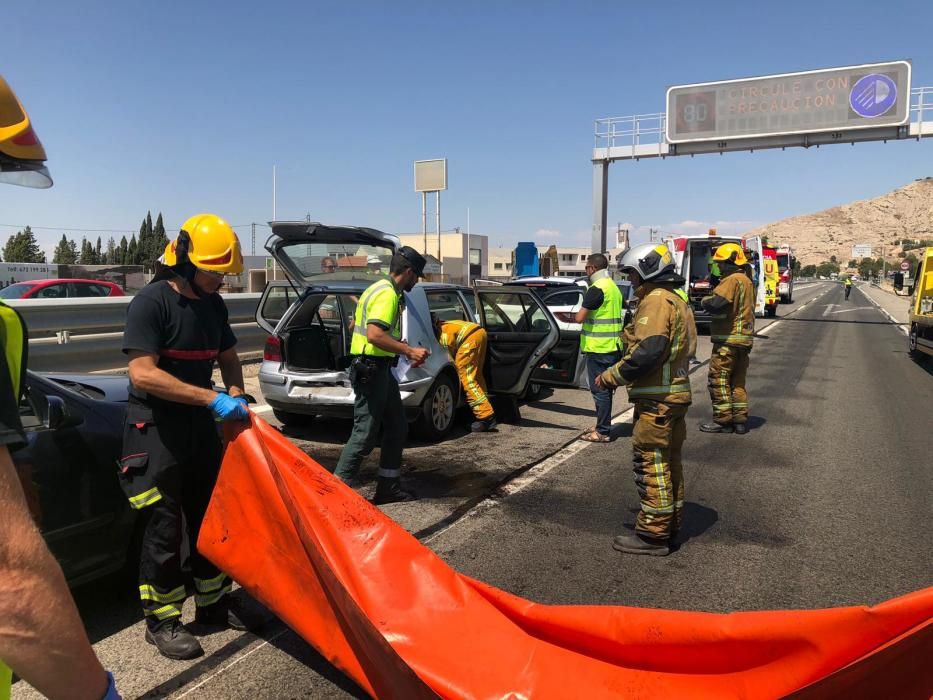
(837, 99)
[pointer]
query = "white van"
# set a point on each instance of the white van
(692, 255)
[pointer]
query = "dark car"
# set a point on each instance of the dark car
(61, 289)
(74, 429)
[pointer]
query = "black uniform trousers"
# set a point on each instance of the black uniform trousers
(170, 469)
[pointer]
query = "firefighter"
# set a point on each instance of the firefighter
(376, 346)
(466, 343)
(176, 329)
(732, 307)
(658, 342)
(41, 635)
(600, 341)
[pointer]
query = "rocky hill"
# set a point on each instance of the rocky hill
(905, 213)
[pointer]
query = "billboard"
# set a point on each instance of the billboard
(862, 250)
(431, 175)
(836, 99)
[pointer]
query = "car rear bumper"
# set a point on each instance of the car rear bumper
(326, 393)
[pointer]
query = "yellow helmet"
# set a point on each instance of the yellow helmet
(210, 243)
(730, 252)
(22, 158)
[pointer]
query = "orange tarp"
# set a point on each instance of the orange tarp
(401, 623)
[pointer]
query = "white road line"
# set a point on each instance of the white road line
(237, 660)
(902, 327)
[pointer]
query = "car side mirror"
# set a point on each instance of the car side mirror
(57, 415)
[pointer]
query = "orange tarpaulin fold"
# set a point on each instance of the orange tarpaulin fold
(395, 618)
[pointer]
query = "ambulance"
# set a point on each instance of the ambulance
(770, 280)
(785, 261)
(920, 337)
(692, 256)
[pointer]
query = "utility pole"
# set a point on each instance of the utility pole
(651, 234)
(253, 247)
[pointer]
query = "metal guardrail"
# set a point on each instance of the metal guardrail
(85, 335)
(645, 134)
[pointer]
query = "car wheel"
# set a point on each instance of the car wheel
(293, 420)
(533, 391)
(436, 417)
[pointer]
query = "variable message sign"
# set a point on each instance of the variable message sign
(836, 99)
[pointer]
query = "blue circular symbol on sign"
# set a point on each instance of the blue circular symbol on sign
(873, 95)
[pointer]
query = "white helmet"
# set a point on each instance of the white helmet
(649, 260)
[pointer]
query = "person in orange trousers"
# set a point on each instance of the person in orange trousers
(466, 343)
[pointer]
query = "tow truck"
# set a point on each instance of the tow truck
(920, 335)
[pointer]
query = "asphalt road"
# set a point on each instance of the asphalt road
(825, 502)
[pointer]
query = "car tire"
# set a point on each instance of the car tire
(293, 420)
(438, 410)
(533, 391)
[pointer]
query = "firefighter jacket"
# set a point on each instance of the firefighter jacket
(381, 304)
(454, 333)
(732, 307)
(658, 345)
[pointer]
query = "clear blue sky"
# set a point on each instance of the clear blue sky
(185, 106)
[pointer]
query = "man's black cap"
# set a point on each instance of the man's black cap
(415, 258)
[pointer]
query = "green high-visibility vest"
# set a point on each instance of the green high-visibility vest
(602, 326)
(13, 336)
(380, 302)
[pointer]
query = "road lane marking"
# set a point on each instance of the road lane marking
(902, 327)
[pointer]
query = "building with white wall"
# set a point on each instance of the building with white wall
(454, 250)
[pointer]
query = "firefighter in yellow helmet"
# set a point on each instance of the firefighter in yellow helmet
(176, 330)
(732, 307)
(41, 635)
(657, 346)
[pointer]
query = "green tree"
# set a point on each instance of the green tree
(22, 247)
(132, 252)
(86, 257)
(832, 259)
(110, 255)
(808, 271)
(853, 263)
(159, 241)
(65, 253)
(98, 255)
(826, 269)
(797, 267)
(123, 252)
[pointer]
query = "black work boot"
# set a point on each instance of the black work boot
(222, 615)
(174, 641)
(636, 543)
(484, 426)
(390, 491)
(740, 428)
(716, 428)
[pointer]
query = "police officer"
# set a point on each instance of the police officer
(376, 346)
(41, 635)
(732, 307)
(848, 286)
(601, 316)
(658, 343)
(176, 329)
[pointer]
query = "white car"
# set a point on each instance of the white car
(564, 296)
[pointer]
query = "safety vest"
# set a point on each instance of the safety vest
(13, 332)
(602, 326)
(380, 302)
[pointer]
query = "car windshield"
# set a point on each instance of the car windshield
(782, 262)
(327, 262)
(15, 291)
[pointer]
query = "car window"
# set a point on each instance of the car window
(53, 291)
(470, 300)
(87, 289)
(15, 291)
(570, 297)
(276, 303)
(448, 306)
(508, 311)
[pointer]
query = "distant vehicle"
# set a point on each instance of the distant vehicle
(920, 284)
(61, 289)
(770, 280)
(310, 322)
(786, 261)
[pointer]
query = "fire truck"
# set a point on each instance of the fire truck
(693, 254)
(785, 261)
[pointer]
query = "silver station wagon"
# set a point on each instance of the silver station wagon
(309, 319)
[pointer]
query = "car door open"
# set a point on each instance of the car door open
(521, 332)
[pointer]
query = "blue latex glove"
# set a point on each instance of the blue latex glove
(226, 407)
(112, 693)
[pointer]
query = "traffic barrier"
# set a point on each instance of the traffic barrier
(396, 619)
